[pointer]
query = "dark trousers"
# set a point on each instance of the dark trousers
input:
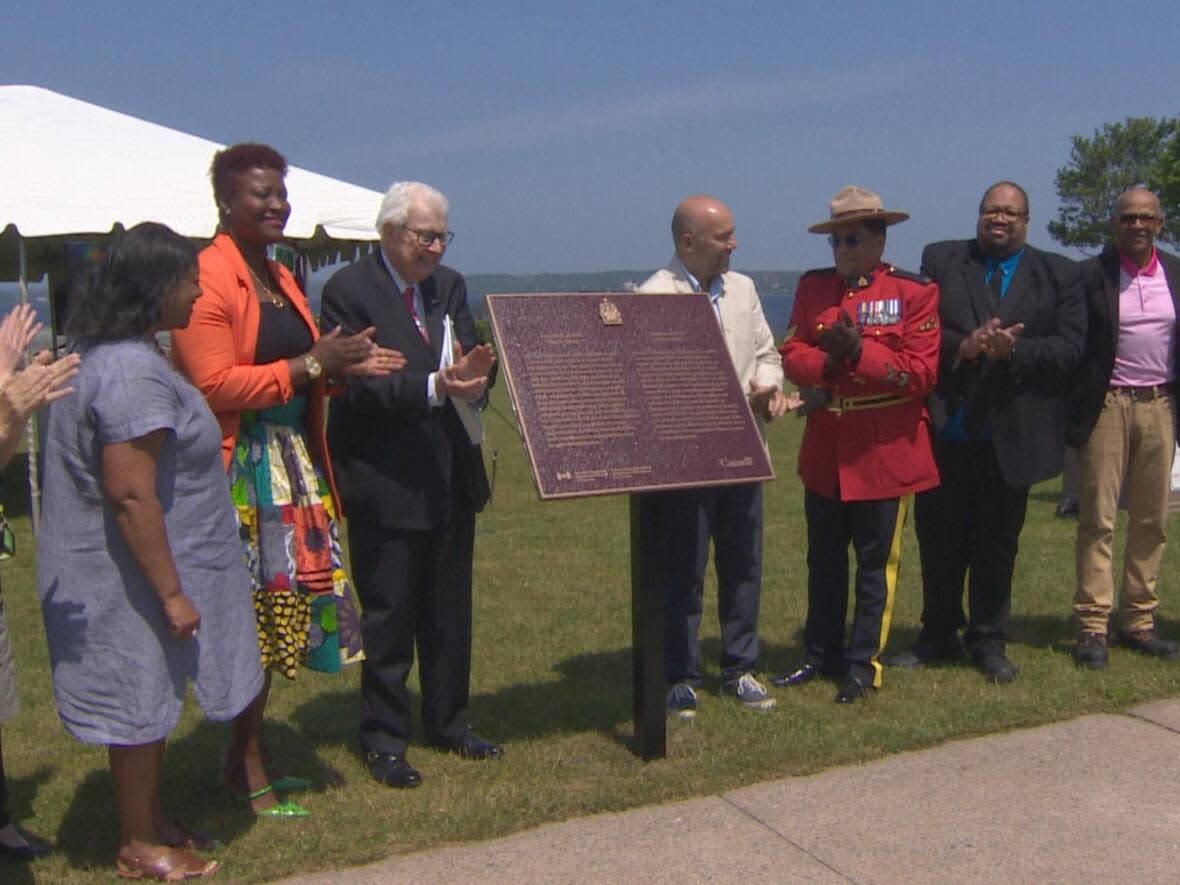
(677, 527)
(874, 530)
(415, 587)
(968, 529)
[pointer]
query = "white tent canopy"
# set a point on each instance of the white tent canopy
(72, 169)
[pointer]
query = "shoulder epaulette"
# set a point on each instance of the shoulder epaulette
(912, 277)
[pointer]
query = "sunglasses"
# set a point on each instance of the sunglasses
(849, 240)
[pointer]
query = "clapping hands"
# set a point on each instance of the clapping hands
(39, 383)
(467, 378)
(841, 339)
(43, 380)
(17, 331)
(356, 356)
(991, 340)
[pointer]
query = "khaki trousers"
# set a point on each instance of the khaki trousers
(1133, 439)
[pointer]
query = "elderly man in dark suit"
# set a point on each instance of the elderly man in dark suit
(412, 479)
(1013, 327)
(1123, 420)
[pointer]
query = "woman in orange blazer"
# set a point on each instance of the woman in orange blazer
(253, 350)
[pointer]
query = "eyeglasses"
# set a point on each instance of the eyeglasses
(426, 238)
(1002, 212)
(1129, 218)
(849, 240)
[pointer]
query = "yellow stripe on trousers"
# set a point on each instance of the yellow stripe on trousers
(892, 570)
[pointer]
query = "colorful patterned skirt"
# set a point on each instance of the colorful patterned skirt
(302, 597)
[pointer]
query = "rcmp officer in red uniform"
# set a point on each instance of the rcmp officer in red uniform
(864, 337)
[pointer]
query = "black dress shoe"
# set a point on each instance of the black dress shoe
(1146, 642)
(472, 746)
(803, 674)
(392, 770)
(852, 690)
(996, 667)
(1091, 651)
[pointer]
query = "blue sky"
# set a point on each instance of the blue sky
(564, 134)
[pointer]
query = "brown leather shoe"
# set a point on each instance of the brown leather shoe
(1146, 642)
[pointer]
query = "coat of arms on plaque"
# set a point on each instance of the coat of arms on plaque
(610, 313)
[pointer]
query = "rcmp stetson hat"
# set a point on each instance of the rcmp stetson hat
(855, 204)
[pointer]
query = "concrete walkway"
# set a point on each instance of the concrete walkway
(1093, 799)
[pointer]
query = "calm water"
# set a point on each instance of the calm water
(776, 305)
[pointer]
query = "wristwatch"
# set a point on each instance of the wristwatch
(314, 368)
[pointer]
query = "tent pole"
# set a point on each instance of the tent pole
(31, 427)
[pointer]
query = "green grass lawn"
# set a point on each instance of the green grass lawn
(552, 680)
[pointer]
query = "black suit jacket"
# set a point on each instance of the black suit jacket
(400, 463)
(1101, 276)
(1022, 401)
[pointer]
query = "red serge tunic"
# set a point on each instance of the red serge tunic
(879, 445)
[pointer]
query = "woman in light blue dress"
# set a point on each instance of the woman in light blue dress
(140, 574)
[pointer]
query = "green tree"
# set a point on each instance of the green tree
(1169, 186)
(1139, 151)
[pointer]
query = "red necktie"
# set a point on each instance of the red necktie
(408, 295)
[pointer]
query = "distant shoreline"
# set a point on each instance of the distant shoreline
(777, 288)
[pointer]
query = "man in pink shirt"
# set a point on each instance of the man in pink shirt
(1123, 420)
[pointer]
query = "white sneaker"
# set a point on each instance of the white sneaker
(750, 693)
(682, 701)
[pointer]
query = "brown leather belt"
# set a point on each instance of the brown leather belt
(842, 404)
(1142, 394)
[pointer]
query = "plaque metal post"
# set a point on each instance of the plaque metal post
(647, 650)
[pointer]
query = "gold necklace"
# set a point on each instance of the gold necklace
(271, 295)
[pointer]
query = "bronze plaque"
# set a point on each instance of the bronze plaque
(625, 392)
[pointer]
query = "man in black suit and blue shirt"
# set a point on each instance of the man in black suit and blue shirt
(411, 480)
(1013, 327)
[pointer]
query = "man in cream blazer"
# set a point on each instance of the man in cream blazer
(679, 524)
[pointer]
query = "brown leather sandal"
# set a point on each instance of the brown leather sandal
(173, 865)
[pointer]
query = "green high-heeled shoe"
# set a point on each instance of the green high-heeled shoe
(285, 808)
(290, 783)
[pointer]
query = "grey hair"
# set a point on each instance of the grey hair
(402, 196)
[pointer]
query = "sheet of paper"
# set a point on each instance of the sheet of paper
(468, 414)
